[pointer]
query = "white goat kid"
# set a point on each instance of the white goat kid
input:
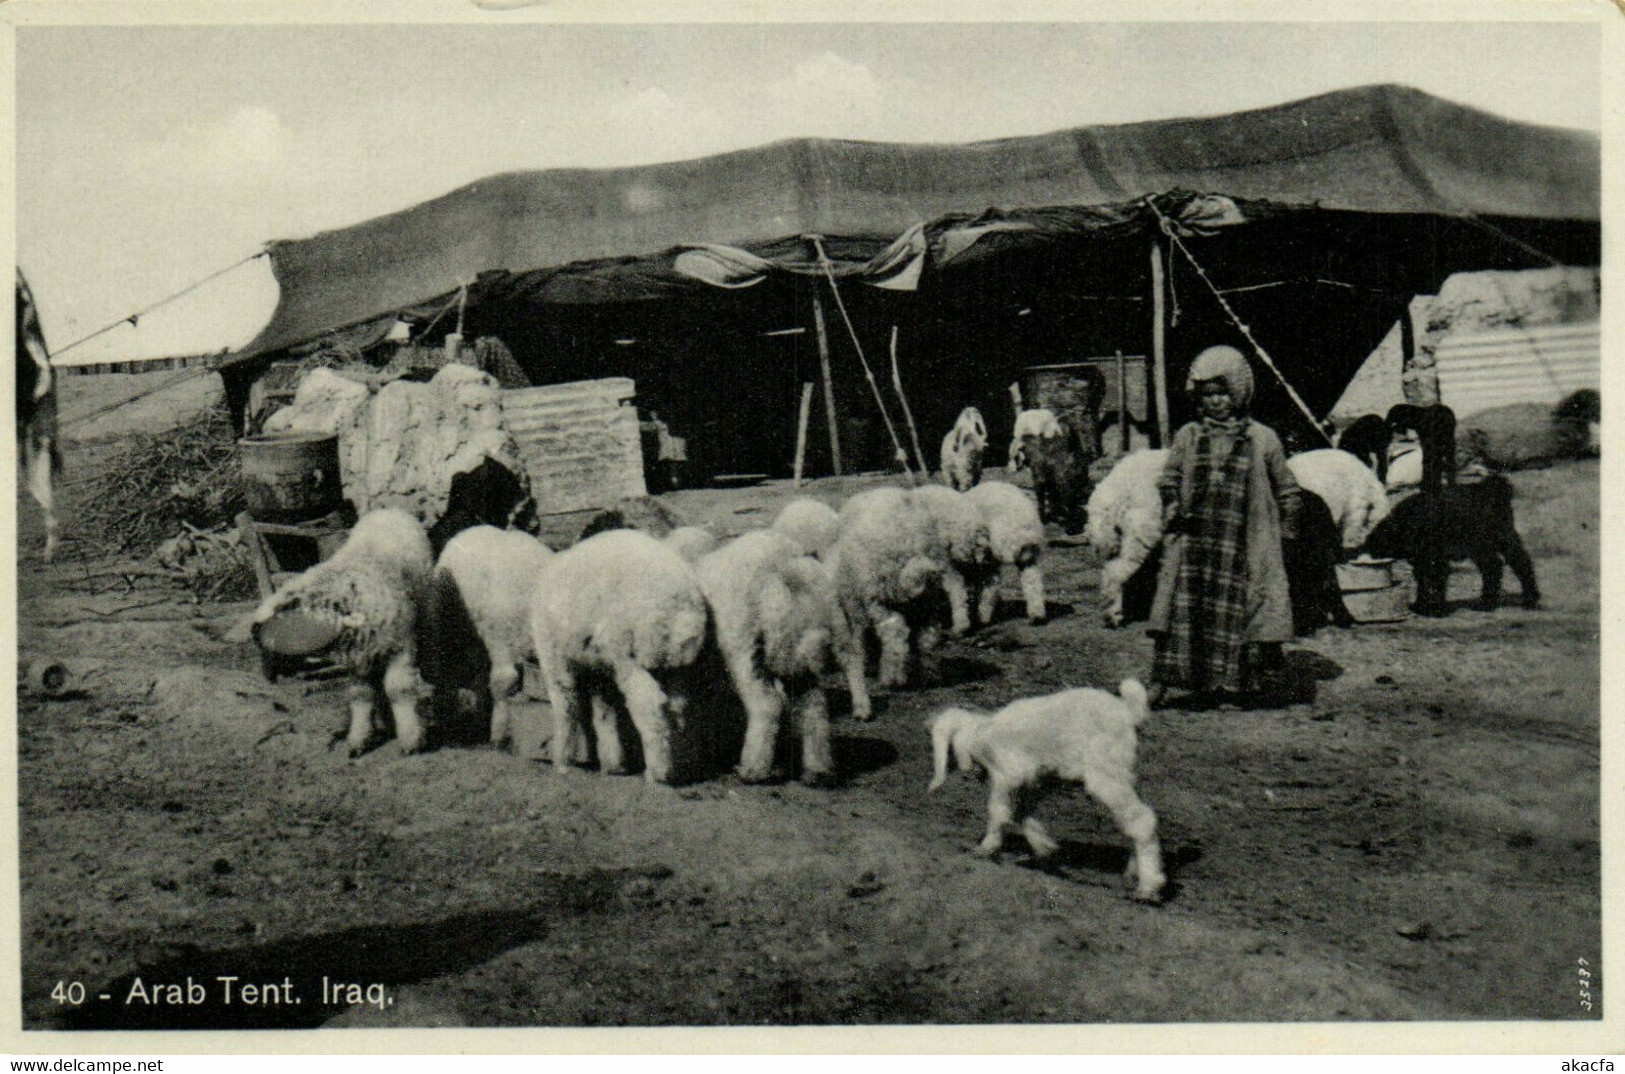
(962, 450)
(1083, 736)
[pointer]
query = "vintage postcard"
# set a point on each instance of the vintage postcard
(1074, 528)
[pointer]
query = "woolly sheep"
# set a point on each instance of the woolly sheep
(779, 626)
(623, 608)
(488, 574)
(1083, 736)
(960, 543)
(691, 542)
(812, 524)
(367, 593)
(1356, 498)
(1125, 523)
(1017, 539)
(882, 565)
(962, 450)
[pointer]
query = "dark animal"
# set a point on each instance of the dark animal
(1576, 419)
(37, 444)
(1311, 557)
(488, 495)
(1367, 440)
(1061, 483)
(1472, 521)
(1435, 429)
(633, 513)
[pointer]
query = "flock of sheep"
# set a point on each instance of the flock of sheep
(641, 640)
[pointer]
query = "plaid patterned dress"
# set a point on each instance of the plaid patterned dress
(1205, 645)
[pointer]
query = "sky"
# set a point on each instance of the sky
(150, 157)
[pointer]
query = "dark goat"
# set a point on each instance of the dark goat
(1367, 440)
(1061, 484)
(1469, 521)
(1435, 428)
(488, 495)
(1311, 559)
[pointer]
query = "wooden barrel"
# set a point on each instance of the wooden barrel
(292, 477)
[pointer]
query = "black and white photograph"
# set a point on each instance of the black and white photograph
(993, 526)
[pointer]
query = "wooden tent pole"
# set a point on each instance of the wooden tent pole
(829, 382)
(801, 430)
(1159, 331)
(1122, 399)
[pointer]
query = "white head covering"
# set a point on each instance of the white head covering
(1226, 364)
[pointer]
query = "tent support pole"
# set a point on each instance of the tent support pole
(801, 430)
(1122, 399)
(1159, 332)
(829, 382)
(1407, 349)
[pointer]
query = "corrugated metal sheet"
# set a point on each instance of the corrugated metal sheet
(579, 443)
(1521, 365)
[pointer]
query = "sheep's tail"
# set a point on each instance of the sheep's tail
(1133, 695)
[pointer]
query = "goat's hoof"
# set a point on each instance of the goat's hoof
(818, 779)
(1152, 897)
(356, 751)
(754, 775)
(985, 851)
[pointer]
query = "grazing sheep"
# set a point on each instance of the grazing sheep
(1084, 736)
(1356, 498)
(488, 575)
(1367, 439)
(692, 542)
(1017, 539)
(883, 564)
(780, 626)
(1030, 425)
(1311, 556)
(1060, 461)
(1523, 436)
(962, 450)
(961, 543)
(359, 608)
(812, 524)
(616, 621)
(1125, 524)
(1459, 521)
(1578, 418)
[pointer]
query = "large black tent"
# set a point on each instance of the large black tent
(1316, 221)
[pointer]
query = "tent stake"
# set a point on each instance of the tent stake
(801, 430)
(913, 433)
(829, 384)
(1159, 330)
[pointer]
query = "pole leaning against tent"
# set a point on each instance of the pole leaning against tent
(1159, 334)
(829, 382)
(913, 432)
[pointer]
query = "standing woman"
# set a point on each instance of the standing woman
(1222, 607)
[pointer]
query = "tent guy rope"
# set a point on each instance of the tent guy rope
(133, 318)
(1169, 230)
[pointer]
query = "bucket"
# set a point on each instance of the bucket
(291, 478)
(1365, 574)
(1387, 605)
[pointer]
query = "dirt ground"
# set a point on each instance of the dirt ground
(1420, 841)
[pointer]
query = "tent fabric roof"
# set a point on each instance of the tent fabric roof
(1376, 149)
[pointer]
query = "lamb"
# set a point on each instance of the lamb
(1085, 736)
(360, 609)
(691, 542)
(487, 575)
(1367, 439)
(1017, 538)
(883, 565)
(1311, 556)
(960, 541)
(1125, 524)
(779, 626)
(619, 620)
(1467, 520)
(812, 524)
(962, 450)
(1349, 488)
(490, 494)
